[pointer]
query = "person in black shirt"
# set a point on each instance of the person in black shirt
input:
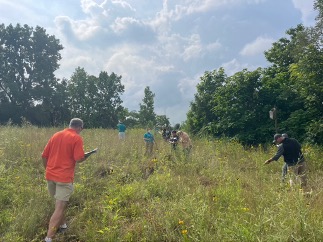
(173, 140)
(293, 156)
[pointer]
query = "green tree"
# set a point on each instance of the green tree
(282, 88)
(162, 121)
(28, 59)
(200, 117)
(147, 116)
(96, 99)
(108, 103)
(308, 75)
(239, 107)
(131, 119)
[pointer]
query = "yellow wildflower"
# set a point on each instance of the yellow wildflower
(184, 231)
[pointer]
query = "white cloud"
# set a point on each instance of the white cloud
(122, 24)
(187, 7)
(258, 46)
(81, 30)
(234, 66)
(306, 7)
(194, 48)
(213, 46)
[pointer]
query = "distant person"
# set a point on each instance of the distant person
(173, 140)
(185, 141)
(293, 156)
(63, 150)
(149, 140)
(166, 134)
(163, 133)
(122, 130)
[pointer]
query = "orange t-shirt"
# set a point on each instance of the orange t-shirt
(62, 151)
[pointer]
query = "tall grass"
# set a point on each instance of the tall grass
(221, 192)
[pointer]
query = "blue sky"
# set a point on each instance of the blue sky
(164, 44)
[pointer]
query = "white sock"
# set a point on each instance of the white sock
(48, 239)
(63, 226)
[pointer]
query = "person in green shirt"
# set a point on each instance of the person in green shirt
(149, 141)
(122, 130)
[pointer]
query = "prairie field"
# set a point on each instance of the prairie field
(220, 192)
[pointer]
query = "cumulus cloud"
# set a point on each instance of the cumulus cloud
(213, 46)
(104, 25)
(258, 46)
(193, 49)
(78, 30)
(307, 10)
(178, 9)
(234, 66)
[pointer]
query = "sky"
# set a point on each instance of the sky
(164, 44)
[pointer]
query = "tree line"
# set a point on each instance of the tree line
(238, 106)
(234, 106)
(29, 90)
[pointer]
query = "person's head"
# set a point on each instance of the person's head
(285, 135)
(174, 132)
(148, 129)
(76, 124)
(278, 138)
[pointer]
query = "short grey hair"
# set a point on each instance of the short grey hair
(76, 123)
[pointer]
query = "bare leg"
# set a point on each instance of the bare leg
(57, 218)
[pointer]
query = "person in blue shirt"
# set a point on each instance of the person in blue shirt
(149, 141)
(122, 130)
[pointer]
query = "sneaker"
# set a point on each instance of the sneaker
(48, 239)
(62, 228)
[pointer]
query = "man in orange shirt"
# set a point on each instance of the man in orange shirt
(62, 152)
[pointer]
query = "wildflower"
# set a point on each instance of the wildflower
(245, 209)
(184, 231)
(180, 222)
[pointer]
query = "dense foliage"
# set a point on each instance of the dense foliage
(237, 106)
(95, 99)
(28, 59)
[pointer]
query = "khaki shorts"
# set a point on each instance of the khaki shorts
(59, 190)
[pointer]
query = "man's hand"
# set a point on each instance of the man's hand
(268, 161)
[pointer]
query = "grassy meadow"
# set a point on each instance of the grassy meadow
(221, 192)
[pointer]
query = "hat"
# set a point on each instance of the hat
(276, 136)
(285, 135)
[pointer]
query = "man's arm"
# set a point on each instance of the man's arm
(82, 159)
(44, 162)
(279, 153)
